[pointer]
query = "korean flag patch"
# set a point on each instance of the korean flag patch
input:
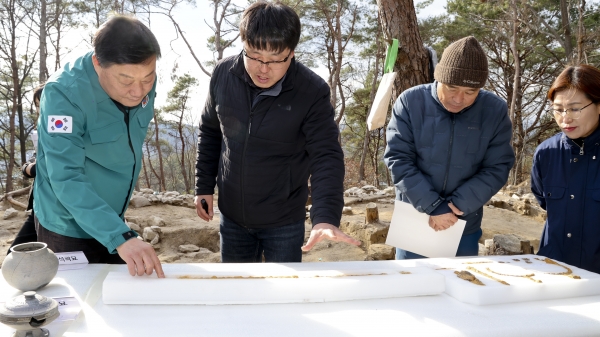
(145, 101)
(60, 124)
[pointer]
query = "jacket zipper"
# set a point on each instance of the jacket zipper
(126, 116)
(448, 158)
(244, 167)
(580, 148)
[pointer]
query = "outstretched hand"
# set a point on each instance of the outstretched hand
(140, 258)
(325, 231)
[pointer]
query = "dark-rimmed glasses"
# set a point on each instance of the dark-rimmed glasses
(271, 64)
(573, 113)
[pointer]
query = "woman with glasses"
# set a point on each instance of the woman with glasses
(565, 177)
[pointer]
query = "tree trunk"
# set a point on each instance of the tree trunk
(13, 100)
(186, 182)
(581, 58)
(363, 155)
(399, 21)
(144, 168)
(152, 168)
(43, 76)
(161, 179)
(57, 61)
(516, 101)
(564, 13)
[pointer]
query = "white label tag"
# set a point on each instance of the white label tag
(68, 307)
(60, 124)
(71, 260)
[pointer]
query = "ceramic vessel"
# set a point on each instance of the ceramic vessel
(30, 266)
(27, 314)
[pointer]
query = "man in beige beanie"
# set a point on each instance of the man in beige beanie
(448, 144)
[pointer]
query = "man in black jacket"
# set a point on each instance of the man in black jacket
(266, 127)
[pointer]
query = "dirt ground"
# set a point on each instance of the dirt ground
(182, 226)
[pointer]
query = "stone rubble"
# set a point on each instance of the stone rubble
(10, 213)
(188, 248)
(147, 197)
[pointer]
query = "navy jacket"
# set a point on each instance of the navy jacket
(436, 156)
(566, 182)
(261, 150)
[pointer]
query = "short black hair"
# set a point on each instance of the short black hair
(124, 40)
(37, 93)
(270, 26)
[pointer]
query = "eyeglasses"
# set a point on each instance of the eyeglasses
(275, 65)
(573, 113)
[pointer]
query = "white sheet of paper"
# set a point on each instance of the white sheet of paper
(409, 230)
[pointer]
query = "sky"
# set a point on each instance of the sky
(173, 49)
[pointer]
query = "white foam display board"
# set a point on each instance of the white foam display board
(261, 283)
(519, 288)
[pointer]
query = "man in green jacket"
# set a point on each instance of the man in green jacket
(94, 116)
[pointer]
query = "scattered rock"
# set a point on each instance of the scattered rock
(368, 234)
(146, 191)
(150, 236)
(201, 254)
(134, 226)
(369, 188)
(138, 201)
(347, 210)
(390, 190)
(189, 248)
(352, 191)
(10, 213)
(381, 252)
(156, 221)
(168, 258)
(507, 244)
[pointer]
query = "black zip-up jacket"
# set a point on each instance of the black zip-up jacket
(260, 151)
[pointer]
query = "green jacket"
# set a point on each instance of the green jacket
(89, 158)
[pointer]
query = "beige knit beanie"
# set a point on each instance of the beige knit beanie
(463, 63)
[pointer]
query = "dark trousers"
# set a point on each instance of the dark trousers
(94, 251)
(26, 234)
(280, 244)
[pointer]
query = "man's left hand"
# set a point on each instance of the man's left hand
(327, 231)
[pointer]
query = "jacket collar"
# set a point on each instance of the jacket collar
(437, 99)
(589, 141)
(238, 69)
(99, 94)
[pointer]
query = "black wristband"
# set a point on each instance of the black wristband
(130, 235)
(32, 170)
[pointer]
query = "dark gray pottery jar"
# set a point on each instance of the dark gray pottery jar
(30, 266)
(28, 313)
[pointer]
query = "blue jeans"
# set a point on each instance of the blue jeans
(279, 244)
(468, 246)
